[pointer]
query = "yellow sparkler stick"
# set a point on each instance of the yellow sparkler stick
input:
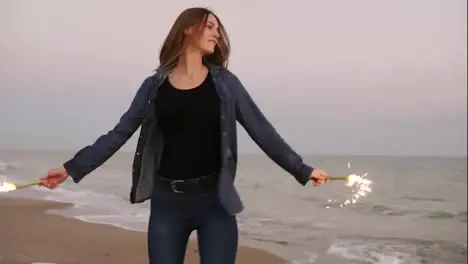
(342, 178)
(8, 187)
(28, 185)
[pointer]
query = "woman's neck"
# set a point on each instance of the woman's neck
(190, 63)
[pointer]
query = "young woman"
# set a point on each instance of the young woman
(186, 154)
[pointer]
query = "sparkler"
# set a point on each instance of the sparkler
(359, 184)
(7, 186)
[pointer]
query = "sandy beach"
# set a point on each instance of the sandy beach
(28, 235)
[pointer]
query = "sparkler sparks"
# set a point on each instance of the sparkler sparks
(6, 187)
(360, 187)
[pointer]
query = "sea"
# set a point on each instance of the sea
(415, 214)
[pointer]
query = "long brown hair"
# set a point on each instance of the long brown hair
(174, 42)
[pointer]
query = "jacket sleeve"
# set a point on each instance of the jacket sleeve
(92, 156)
(265, 135)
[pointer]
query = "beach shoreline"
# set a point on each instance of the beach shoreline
(29, 234)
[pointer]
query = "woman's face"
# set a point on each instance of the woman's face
(208, 36)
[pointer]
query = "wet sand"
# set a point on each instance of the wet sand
(28, 235)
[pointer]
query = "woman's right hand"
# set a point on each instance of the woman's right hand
(54, 177)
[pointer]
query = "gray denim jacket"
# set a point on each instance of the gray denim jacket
(236, 106)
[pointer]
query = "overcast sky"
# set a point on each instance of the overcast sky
(334, 77)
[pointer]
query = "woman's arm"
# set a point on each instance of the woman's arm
(92, 156)
(265, 135)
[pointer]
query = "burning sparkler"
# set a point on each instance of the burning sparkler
(359, 184)
(8, 187)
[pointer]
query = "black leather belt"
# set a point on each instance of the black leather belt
(205, 183)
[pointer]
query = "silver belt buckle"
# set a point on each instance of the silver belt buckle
(174, 187)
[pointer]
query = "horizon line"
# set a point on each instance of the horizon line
(411, 155)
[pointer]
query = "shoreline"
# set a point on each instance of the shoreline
(29, 234)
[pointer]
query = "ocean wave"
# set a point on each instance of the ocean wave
(462, 216)
(462, 213)
(398, 251)
(395, 211)
(132, 222)
(279, 242)
(426, 199)
(439, 215)
(310, 259)
(96, 207)
(5, 166)
(313, 199)
(378, 209)
(254, 222)
(86, 199)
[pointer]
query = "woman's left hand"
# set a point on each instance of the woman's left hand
(319, 177)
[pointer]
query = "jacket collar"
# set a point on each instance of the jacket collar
(162, 73)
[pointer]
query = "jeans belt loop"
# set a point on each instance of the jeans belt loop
(174, 186)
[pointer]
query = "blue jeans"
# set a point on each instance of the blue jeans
(174, 216)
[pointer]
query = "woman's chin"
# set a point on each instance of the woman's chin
(208, 51)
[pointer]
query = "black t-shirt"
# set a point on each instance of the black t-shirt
(190, 122)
